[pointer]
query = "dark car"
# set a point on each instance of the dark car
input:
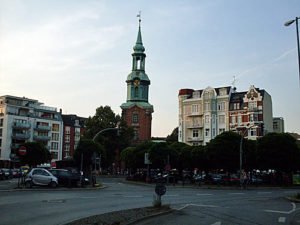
(6, 173)
(66, 177)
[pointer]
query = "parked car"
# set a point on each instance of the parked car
(41, 177)
(16, 173)
(6, 173)
(66, 177)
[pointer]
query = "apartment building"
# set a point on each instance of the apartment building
(204, 114)
(278, 125)
(26, 120)
(250, 113)
(72, 132)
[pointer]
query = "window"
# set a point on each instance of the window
(195, 133)
(135, 135)
(221, 119)
(55, 136)
(135, 118)
(0, 132)
(67, 138)
(195, 108)
(252, 105)
(221, 130)
(54, 145)
(67, 130)
(0, 142)
(239, 119)
(206, 132)
(55, 127)
(233, 119)
(136, 92)
(207, 119)
(54, 155)
(253, 132)
(221, 106)
(1, 122)
(236, 106)
(207, 106)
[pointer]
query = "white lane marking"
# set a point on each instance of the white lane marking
(204, 194)
(217, 223)
(176, 195)
(87, 197)
(283, 212)
(132, 196)
(264, 192)
(281, 220)
(237, 193)
(198, 205)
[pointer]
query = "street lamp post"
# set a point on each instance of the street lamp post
(288, 23)
(241, 153)
(94, 138)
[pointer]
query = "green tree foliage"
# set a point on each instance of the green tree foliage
(103, 118)
(85, 150)
(223, 151)
(199, 158)
(159, 154)
(279, 152)
(173, 137)
(113, 140)
(36, 154)
(129, 156)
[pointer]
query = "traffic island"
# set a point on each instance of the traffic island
(124, 217)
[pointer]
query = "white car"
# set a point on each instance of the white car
(41, 177)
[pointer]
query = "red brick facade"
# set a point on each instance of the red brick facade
(140, 119)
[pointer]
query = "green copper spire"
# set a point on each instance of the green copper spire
(139, 43)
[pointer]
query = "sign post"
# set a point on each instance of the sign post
(22, 151)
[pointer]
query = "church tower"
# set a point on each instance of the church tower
(137, 111)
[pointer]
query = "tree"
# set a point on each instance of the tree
(223, 151)
(36, 153)
(103, 118)
(85, 150)
(278, 151)
(173, 137)
(112, 140)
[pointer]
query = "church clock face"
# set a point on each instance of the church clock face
(136, 83)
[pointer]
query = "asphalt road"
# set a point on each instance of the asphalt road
(192, 205)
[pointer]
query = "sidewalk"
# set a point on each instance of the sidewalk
(12, 185)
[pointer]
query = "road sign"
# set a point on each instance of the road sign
(146, 159)
(22, 150)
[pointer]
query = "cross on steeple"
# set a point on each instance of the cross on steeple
(140, 17)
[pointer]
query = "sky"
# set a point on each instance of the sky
(75, 55)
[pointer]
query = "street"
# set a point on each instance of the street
(193, 205)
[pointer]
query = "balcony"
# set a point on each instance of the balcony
(22, 126)
(191, 139)
(20, 136)
(41, 138)
(42, 128)
(195, 114)
(194, 125)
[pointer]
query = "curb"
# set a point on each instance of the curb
(151, 216)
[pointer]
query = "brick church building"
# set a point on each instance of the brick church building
(137, 111)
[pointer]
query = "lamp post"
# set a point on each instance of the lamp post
(241, 153)
(94, 139)
(288, 23)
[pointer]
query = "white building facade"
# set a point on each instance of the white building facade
(26, 120)
(204, 114)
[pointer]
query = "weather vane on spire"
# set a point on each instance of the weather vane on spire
(140, 17)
